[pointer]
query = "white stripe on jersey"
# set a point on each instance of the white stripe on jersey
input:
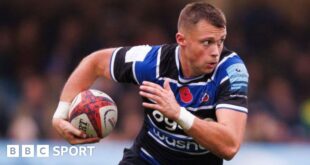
(224, 79)
(177, 57)
(158, 62)
(232, 107)
(179, 85)
(137, 53)
(241, 96)
(112, 63)
(200, 108)
(146, 153)
(221, 62)
(188, 80)
(134, 72)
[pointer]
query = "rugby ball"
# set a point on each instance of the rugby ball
(93, 112)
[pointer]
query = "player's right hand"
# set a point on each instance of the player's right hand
(70, 133)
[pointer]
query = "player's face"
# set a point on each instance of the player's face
(202, 46)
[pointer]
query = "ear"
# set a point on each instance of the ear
(180, 38)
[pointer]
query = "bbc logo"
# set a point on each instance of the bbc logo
(13, 151)
(41, 151)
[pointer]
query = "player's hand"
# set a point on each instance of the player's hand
(163, 99)
(70, 133)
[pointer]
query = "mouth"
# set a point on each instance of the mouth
(211, 65)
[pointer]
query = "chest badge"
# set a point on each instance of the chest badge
(205, 98)
(185, 95)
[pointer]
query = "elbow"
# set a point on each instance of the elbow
(230, 152)
(89, 59)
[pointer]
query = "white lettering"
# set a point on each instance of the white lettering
(63, 150)
(83, 151)
(180, 144)
(56, 151)
(91, 148)
(72, 152)
(169, 124)
(159, 117)
(43, 150)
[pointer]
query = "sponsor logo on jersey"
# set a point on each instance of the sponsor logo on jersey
(185, 95)
(238, 77)
(170, 139)
(186, 145)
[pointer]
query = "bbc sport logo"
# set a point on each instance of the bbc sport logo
(45, 151)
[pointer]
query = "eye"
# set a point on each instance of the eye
(220, 42)
(206, 42)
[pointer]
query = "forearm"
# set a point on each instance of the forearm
(91, 67)
(216, 137)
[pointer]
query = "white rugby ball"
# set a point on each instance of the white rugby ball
(93, 112)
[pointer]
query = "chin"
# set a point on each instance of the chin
(207, 71)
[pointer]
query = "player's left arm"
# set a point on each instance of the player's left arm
(225, 136)
(222, 138)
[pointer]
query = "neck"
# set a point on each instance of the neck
(185, 65)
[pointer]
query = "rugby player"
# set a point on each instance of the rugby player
(194, 92)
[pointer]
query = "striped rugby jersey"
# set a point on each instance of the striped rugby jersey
(161, 140)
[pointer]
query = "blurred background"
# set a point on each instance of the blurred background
(41, 42)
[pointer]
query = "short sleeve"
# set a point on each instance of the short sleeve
(233, 85)
(133, 64)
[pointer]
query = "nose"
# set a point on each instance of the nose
(215, 50)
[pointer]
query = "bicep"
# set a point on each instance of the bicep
(234, 120)
(101, 59)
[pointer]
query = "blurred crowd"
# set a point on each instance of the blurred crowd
(41, 42)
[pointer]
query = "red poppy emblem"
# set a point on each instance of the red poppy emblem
(186, 95)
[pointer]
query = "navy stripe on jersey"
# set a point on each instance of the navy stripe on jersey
(121, 71)
(167, 64)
